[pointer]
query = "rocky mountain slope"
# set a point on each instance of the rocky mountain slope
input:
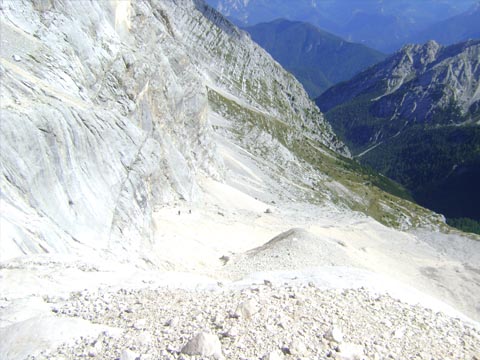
(151, 145)
(317, 58)
(118, 125)
(415, 117)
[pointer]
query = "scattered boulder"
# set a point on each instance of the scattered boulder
(173, 322)
(145, 338)
(274, 355)
(349, 351)
(140, 324)
(129, 355)
(298, 348)
(335, 334)
(203, 344)
(247, 309)
(233, 332)
(399, 333)
(92, 352)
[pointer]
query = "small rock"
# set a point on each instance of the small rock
(129, 355)
(145, 338)
(270, 328)
(247, 309)
(16, 58)
(268, 211)
(399, 333)
(387, 323)
(335, 334)
(348, 351)
(298, 348)
(203, 344)
(274, 355)
(173, 322)
(92, 352)
(171, 349)
(233, 332)
(140, 324)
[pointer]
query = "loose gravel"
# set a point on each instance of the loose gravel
(262, 322)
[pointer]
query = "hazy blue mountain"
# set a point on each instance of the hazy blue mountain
(317, 58)
(455, 29)
(415, 117)
(384, 25)
(380, 31)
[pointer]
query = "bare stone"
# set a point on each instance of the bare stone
(349, 351)
(298, 348)
(129, 355)
(274, 355)
(335, 334)
(247, 309)
(203, 344)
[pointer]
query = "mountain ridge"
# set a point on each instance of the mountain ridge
(427, 89)
(455, 29)
(385, 26)
(317, 58)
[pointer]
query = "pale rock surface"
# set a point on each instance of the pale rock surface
(298, 348)
(434, 335)
(129, 355)
(350, 351)
(118, 159)
(203, 344)
(274, 355)
(335, 334)
(247, 309)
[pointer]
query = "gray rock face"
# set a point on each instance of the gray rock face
(430, 78)
(105, 116)
(416, 83)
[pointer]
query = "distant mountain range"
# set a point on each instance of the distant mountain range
(456, 29)
(415, 117)
(384, 25)
(317, 58)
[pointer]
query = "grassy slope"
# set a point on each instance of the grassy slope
(373, 194)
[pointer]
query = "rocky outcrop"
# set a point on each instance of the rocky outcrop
(416, 84)
(105, 116)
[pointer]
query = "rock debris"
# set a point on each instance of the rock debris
(262, 322)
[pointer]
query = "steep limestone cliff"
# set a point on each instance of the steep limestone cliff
(104, 116)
